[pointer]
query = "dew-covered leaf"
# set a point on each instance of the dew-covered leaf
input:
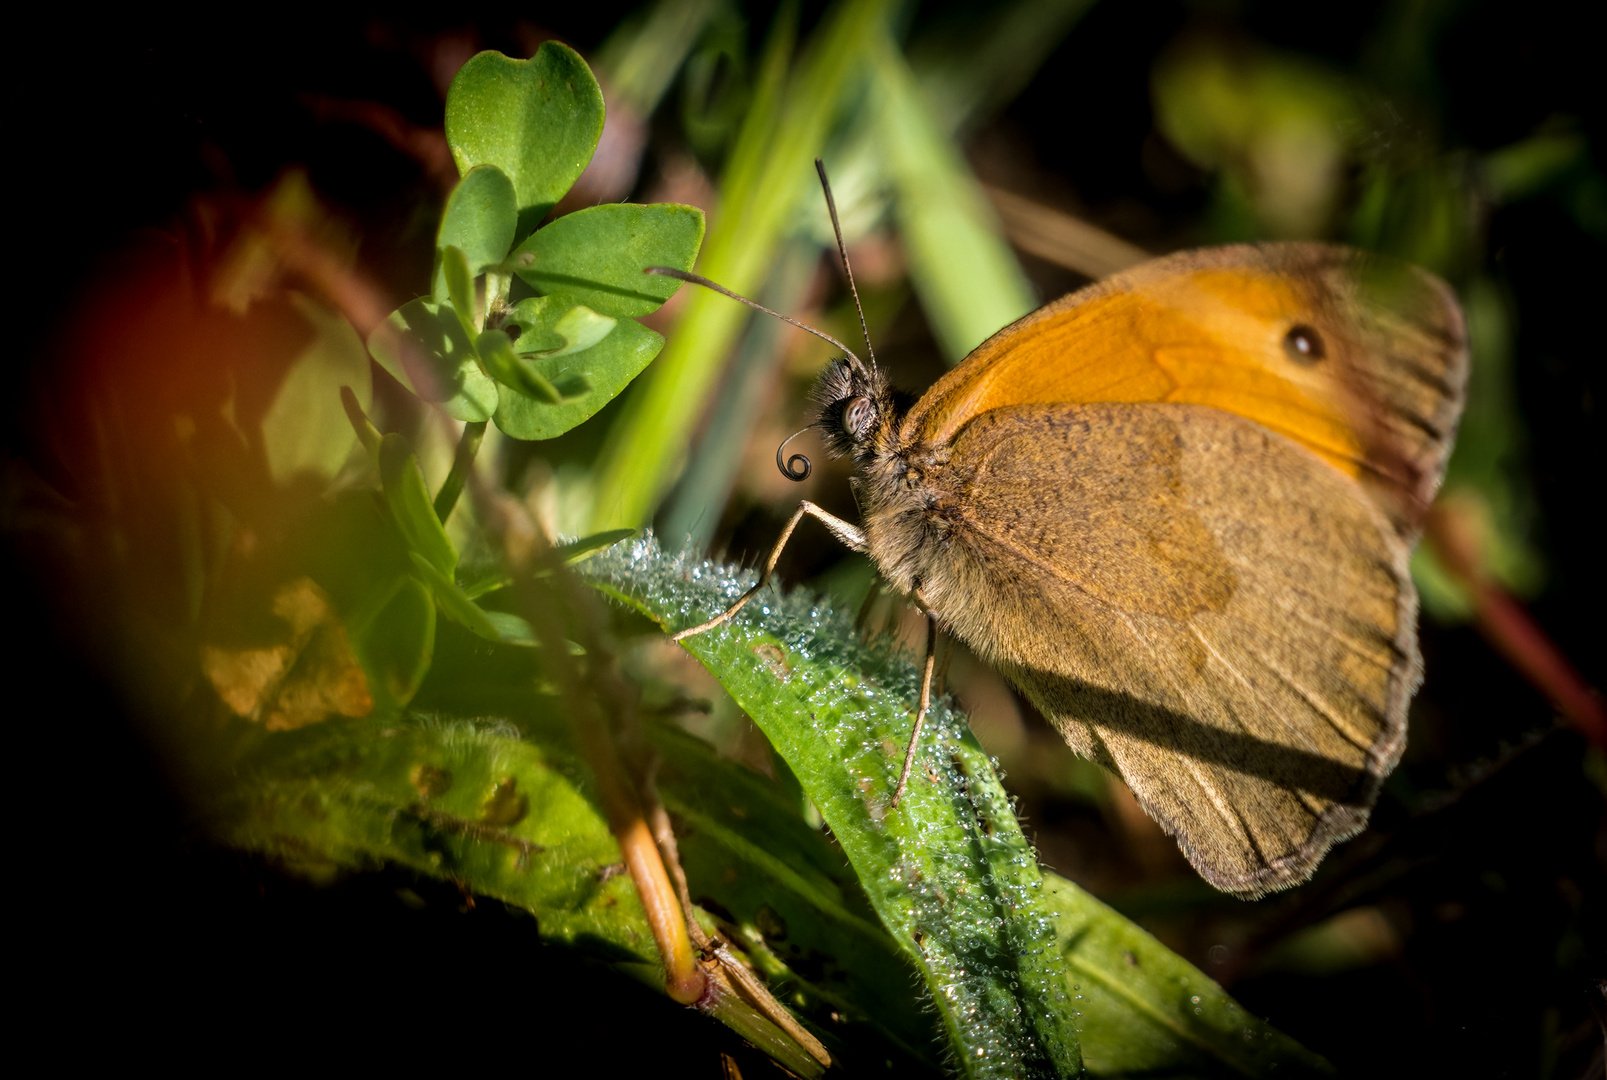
(574, 550)
(1012, 959)
(948, 871)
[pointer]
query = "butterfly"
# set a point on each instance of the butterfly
(1175, 510)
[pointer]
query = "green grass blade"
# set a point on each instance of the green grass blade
(769, 176)
(965, 273)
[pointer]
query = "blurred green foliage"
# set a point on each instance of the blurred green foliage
(933, 941)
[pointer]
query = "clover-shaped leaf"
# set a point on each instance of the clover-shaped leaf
(588, 379)
(597, 255)
(537, 120)
(460, 290)
(479, 221)
(577, 330)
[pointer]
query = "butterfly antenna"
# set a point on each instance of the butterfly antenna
(699, 279)
(842, 250)
(796, 467)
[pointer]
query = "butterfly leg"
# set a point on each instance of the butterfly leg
(851, 535)
(926, 703)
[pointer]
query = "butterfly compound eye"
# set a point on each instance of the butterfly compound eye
(1303, 344)
(857, 416)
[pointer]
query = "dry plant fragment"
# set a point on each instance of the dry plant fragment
(308, 674)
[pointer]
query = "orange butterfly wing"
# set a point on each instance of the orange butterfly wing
(1376, 394)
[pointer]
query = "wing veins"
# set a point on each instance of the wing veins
(1318, 705)
(1255, 694)
(1223, 807)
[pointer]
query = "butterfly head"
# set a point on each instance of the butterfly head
(856, 409)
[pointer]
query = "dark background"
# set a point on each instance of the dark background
(1489, 849)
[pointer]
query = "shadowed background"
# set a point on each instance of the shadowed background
(1464, 930)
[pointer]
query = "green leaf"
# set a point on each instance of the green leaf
(423, 345)
(479, 220)
(303, 430)
(454, 604)
(415, 794)
(597, 255)
(607, 366)
(511, 813)
(395, 640)
(578, 329)
(537, 120)
(460, 290)
(366, 432)
(948, 871)
(510, 628)
(1147, 1012)
(552, 326)
(512, 371)
(410, 505)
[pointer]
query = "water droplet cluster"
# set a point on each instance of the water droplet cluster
(948, 871)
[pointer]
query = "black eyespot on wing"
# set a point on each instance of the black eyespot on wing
(1304, 345)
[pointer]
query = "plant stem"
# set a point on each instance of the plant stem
(1509, 628)
(462, 462)
(587, 699)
